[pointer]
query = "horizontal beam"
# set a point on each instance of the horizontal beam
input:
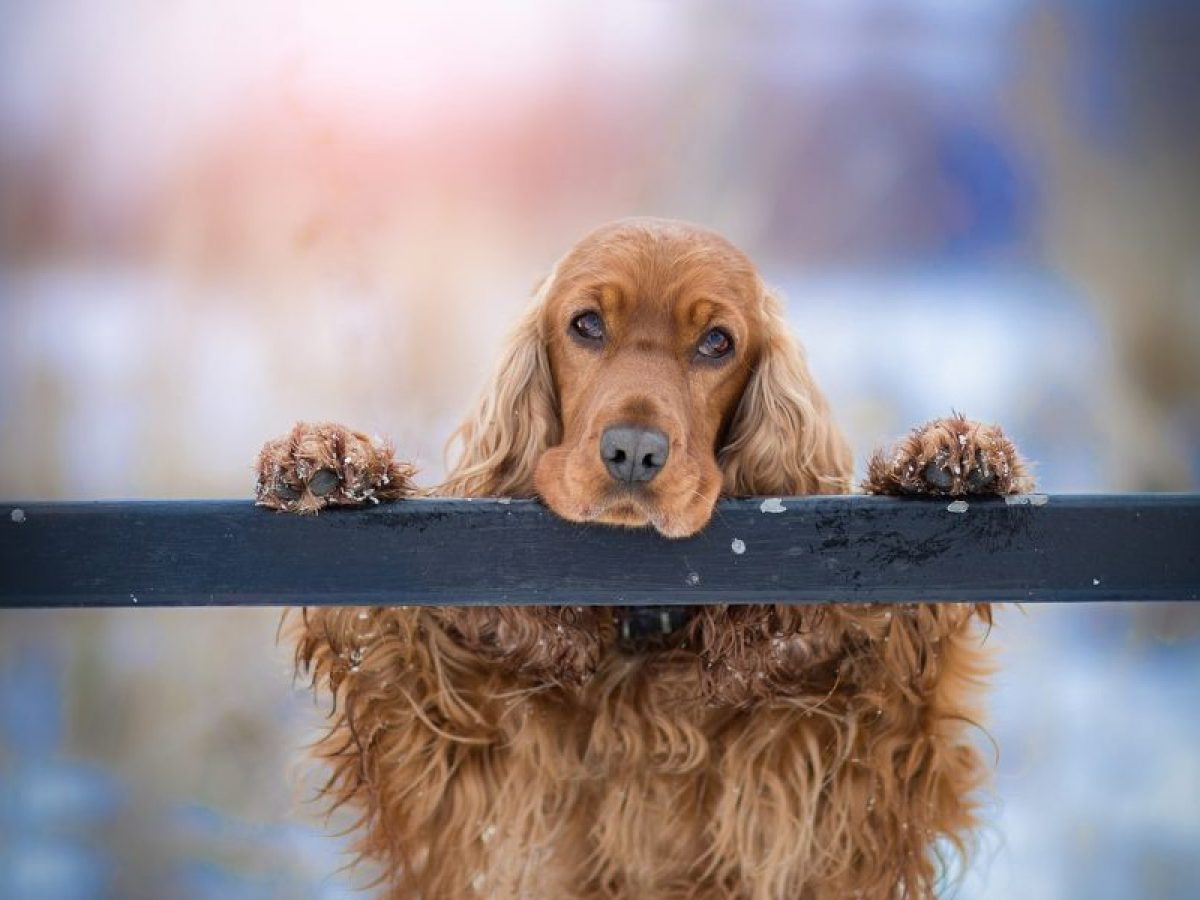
(442, 551)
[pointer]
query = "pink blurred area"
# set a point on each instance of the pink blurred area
(235, 216)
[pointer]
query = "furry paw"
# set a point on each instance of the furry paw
(322, 464)
(950, 457)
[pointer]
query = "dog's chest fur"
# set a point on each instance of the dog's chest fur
(628, 789)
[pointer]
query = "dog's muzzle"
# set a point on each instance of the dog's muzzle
(643, 628)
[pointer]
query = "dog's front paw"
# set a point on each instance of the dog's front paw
(321, 464)
(950, 457)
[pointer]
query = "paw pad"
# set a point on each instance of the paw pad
(937, 474)
(285, 491)
(323, 482)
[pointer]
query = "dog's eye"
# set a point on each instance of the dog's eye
(716, 344)
(588, 326)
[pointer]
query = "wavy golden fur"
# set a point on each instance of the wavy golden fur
(770, 751)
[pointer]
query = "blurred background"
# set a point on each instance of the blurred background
(219, 218)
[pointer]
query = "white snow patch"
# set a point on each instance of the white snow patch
(738, 546)
(1026, 499)
(772, 505)
(17, 515)
(958, 506)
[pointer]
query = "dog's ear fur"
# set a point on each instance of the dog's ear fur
(782, 439)
(515, 420)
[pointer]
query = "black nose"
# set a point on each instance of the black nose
(633, 454)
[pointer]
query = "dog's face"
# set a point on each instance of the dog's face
(652, 374)
(651, 336)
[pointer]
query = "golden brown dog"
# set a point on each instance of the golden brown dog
(759, 751)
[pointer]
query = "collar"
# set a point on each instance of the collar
(646, 628)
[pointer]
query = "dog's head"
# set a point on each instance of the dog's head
(652, 374)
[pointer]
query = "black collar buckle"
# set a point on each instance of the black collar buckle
(642, 628)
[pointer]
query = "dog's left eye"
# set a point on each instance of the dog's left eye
(588, 326)
(716, 344)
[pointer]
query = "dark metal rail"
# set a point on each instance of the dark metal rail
(797, 550)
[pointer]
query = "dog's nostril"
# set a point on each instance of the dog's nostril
(619, 456)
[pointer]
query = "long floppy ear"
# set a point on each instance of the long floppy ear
(514, 421)
(782, 439)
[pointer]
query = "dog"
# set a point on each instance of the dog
(753, 751)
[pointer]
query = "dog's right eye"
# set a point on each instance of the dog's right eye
(588, 326)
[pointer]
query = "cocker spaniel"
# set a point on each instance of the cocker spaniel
(753, 751)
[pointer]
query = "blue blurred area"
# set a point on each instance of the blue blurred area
(1099, 774)
(71, 829)
(992, 184)
(896, 349)
(53, 810)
